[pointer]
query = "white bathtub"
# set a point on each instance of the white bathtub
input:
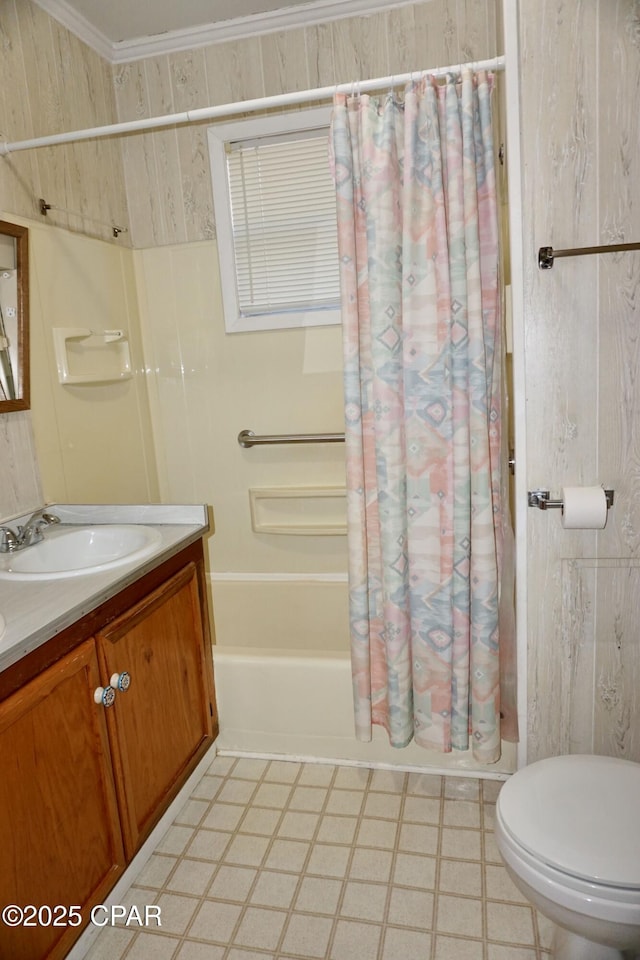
(299, 704)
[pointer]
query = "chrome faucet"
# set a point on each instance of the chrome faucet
(8, 540)
(27, 535)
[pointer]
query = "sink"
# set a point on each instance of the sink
(74, 551)
(2, 625)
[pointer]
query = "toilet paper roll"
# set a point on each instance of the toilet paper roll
(584, 508)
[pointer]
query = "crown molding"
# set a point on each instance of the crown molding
(239, 28)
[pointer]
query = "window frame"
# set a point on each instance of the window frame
(317, 118)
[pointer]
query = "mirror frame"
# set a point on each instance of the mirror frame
(21, 236)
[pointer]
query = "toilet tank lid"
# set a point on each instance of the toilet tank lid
(580, 814)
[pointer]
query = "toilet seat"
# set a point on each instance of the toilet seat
(576, 817)
(579, 897)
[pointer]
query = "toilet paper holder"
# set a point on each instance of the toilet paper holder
(540, 499)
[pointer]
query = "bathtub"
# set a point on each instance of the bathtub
(298, 704)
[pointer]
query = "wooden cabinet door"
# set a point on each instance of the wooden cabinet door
(161, 724)
(60, 839)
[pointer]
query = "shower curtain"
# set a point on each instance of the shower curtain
(427, 513)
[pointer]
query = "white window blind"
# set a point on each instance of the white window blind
(283, 212)
(275, 210)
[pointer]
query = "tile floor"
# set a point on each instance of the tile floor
(278, 859)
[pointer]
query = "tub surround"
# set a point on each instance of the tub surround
(34, 612)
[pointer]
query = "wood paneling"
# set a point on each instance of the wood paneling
(19, 181)
(190, 90)
(168, 178)
(320, 61)
(601, 672)
(52, 82)
(20, 490)
(580, 79)
(158, 184)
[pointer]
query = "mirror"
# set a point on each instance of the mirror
(14, 317)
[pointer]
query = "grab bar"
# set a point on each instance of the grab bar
(247, 438)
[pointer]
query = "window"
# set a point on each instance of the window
(275, 210)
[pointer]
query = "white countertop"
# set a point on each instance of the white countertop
(34, 612)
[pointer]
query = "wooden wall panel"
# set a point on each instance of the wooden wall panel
(360, 47)
(234, 71)
(284, 59)
(52, 82)
(167, 181)
(599, 707)
(170, 199)
(619, 347)
(190, 91)
(476, 29)
(617, 661)
(143, 201)
(36, 34)
(19, 178)
(436, 33)
(580, 137)
(560, 190)
(320, 59)
(158, 184)
(20, 490)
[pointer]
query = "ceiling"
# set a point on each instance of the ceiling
(121, 20)
(123, 30)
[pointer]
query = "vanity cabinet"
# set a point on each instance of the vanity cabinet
(60, 837)
(83, 784)
(164, 716)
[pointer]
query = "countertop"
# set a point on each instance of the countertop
(36, 611)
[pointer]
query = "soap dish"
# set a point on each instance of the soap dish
(83, 356)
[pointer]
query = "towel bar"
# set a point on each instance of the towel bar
(546, 255)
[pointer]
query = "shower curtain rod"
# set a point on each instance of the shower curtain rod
(242, 106)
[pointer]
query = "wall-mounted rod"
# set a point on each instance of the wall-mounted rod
(45, 207)
(244, 106)
(247, 438)
(546, 255)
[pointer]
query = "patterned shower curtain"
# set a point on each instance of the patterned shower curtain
(418, 242)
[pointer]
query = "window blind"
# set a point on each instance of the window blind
(283, 212)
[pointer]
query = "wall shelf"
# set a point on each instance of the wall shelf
(85, 357)
(299, 511)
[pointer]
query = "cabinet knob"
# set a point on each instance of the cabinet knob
(121, 681)
(104, 695)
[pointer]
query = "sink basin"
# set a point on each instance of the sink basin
(74, 551)
(2, 625)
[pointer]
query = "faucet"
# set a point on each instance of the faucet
(8, 540)
(27, 535)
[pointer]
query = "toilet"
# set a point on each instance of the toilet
(568, 830)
